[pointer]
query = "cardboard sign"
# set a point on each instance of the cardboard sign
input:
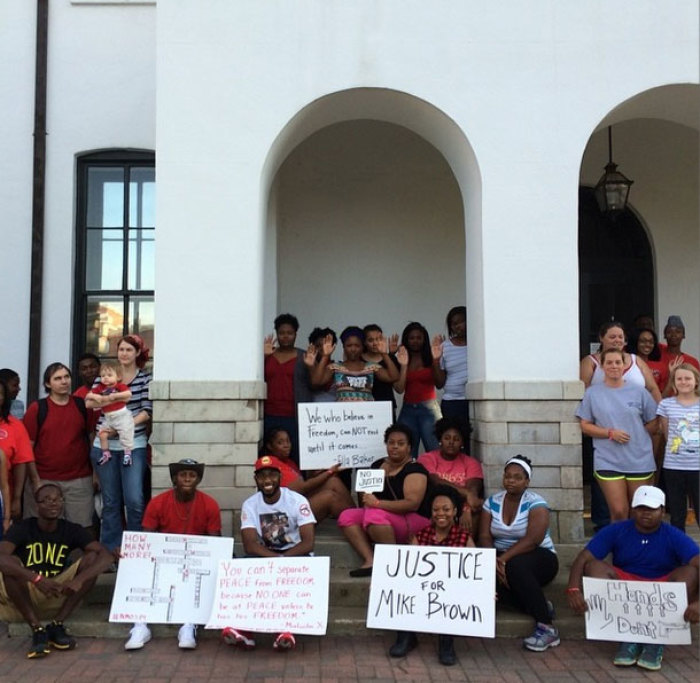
(351, 434)
(167, 578)
(369, 481)
(272, 595)
(636, 611)
(432, 589)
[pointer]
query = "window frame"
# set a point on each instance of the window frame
(127, 159)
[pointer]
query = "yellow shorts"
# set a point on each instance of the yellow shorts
(45, 606)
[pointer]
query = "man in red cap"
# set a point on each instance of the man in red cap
(275, 522)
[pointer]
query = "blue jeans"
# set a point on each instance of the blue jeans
(122, 487)
(420, 418)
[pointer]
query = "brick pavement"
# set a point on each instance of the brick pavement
(334, 659)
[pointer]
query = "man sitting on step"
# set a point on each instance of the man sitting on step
(644, 548)
(181, 510)
(37, 578)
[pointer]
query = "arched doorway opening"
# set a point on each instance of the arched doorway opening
(616, 269)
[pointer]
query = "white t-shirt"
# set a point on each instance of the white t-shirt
(454, 363)
(278, 523)
(683, 443)
(505, 535)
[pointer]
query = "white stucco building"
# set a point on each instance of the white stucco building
(351, 162)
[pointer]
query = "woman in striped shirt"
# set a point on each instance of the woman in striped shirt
(515, 522)
(121, 484)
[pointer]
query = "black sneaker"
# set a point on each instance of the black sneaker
(58, 637)
(40, 644)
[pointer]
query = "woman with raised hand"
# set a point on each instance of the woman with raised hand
(353, 377)
(286, 378)
(419, 375)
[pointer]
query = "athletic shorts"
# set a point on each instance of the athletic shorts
(611, 475)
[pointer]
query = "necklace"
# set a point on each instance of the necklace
(183, 511)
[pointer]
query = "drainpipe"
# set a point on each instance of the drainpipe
(38, 200)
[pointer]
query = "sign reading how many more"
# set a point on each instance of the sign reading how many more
(636, 611)
(433, 589)
(167, 578)
(350, 433)
(272, 595)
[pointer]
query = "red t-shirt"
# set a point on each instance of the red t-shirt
(457, 471)
(93, 415)
(62, 452)
(659, 369)
(280, 386)
(15, 444)
(106, 391)
(420, 386)
(667, 357)
(201, 516)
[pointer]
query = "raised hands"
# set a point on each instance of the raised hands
(328, 346)
(402, 356)
(393, 342)
(269, 345)
(310, 356)
(436, 346)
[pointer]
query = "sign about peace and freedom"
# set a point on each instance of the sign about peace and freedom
(636, 611)
(167, 578)
(272, 595)
(351, 434)
(433, 589)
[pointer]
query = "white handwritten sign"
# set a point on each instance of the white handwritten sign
(272, 595)
(351, 433)
(369, 481)
(636, 611)
(167, 578)
(433, 589)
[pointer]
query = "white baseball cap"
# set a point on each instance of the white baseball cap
(648, 496)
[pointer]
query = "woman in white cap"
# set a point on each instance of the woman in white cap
(515, 522)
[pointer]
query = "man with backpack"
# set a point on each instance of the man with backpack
(59, 428)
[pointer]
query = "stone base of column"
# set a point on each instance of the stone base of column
(537, 420)
(216, 423)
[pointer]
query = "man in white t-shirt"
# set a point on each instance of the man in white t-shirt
(275, 522)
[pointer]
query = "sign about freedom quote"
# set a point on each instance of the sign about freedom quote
(636, 611)
(272, 595)
(349, 434)
(433, 589)
(167, 578)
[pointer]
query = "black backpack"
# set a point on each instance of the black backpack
(43, 411)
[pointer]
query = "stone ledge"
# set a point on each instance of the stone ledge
(206, 411)
(526, 390)
(209, 454)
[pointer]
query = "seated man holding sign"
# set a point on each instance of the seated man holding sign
(644, 548)
(275, 522)
(182, 510)
(37, 577)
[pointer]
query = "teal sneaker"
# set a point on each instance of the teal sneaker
(651, 657)
(627, 654)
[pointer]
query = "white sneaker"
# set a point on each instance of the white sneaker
(187, 637)
(140, 635)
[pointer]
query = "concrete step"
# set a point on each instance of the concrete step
(91, 621)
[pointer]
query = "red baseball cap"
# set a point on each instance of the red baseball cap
(268, 462)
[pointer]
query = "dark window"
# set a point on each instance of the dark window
(115, 250)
